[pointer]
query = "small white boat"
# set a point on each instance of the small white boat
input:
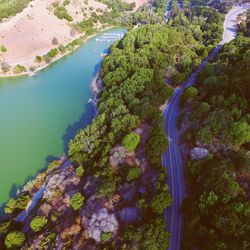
(90, 100)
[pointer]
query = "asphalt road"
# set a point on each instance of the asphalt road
(171, 159)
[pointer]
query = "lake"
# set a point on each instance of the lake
(40, 114)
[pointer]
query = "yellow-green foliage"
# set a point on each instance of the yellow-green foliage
(14, 240)
(18, 69)
(38, 223)
(11, 7)
(76, 201)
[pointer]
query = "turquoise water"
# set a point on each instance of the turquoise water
(39, 114)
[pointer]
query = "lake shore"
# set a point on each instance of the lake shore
(60, 56)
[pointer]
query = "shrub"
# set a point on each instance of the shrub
(160, 202)
(107, 189)
(38, 223)
(131, 141)
(38, 59)
(4, 227)
(76, 201)
(3, 49)
(47, 59)
(5, 67)
(47, 242)
(14, 239)
(22, 202)
(10, 206)
(53, 165)
(106, 237)
(61, 48)
(18, 69)
(32, 68)
(11, 7)
(55, 4)
(80, 171)
(52, 53)
(133, 173)
(66, 2)
(62, 13)
(188, 94)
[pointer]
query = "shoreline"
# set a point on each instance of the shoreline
(31, 73)
(96, 88)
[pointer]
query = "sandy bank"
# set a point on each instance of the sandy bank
(31, 32)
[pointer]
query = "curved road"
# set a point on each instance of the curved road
(171, 159)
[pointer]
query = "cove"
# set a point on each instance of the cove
(40, 114)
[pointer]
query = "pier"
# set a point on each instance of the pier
(110, 37)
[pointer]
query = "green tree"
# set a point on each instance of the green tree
(238, 133)
(3, 49)
(38, 223)
(155, 236)
(106, 237)
(161, 201)
(188, 94)
(77, 201)
(22, 202)
(80, 171)
(14, 240)
(131, 141)
(133, 173)
(10, 206)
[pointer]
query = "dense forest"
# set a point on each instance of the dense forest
(217, 209)
(111, 192)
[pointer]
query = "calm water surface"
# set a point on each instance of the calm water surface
(39, 114)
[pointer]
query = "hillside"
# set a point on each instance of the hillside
(27, 38)
(216, 129)
(110, 192)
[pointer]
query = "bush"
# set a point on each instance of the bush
(76, 201)
(47, 59)
(32, 68)
(66, 2)
(3, 49)
(188, 94)
(11, 7)
(47, 242)
(38, 59)
(107, 189)
(4, 228)
(131, 141)
(160, 202)
(133, 173)
(106, 237)
(62, 13)
(10, 206)
(61, 48)
(22, 202)
(18, 69)
(52, 53)
(38, 223)
(53, 165)
(55, 4)
(5, 67)
(80, 171)
(14, 239)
